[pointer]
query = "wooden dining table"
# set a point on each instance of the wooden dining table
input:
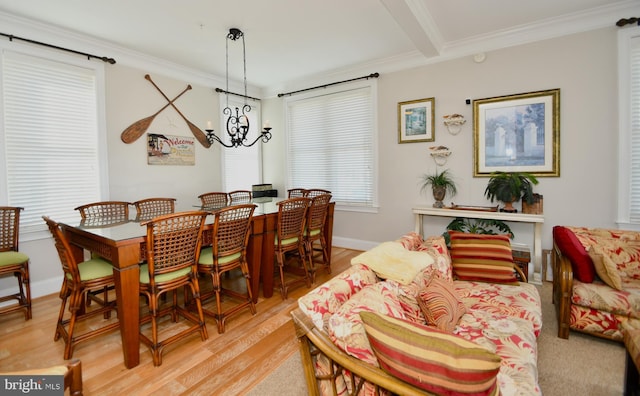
(123, 243)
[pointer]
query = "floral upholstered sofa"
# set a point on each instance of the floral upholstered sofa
(398, 321)
(596, 280)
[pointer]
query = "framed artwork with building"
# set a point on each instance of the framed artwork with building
(517, 133)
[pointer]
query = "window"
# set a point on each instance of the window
(331, 144)
(629, 127)
(49, 133)
(241, 164)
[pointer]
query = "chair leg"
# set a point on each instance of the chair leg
(217, 289)
(283, 286)
(244, 267)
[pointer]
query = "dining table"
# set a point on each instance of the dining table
(123, 243)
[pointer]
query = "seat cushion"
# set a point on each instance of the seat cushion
(11, 258)
(144, 274)
(206, 257)
(94, 268)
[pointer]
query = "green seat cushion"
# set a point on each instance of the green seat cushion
(313, 232)
(94, 268)
(287, 241)
(206, 257)
(11, 258)
(144, 274)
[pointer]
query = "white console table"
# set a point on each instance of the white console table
(535, 220)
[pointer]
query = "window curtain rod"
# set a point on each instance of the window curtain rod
(629, 21)
(236, 94)
(372, 75)
(89, 56)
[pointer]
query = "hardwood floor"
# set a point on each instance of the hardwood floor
(226, 364)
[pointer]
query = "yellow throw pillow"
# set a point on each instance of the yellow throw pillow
(605, 267)
(390, 260)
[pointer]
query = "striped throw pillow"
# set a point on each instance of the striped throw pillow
(482, 257)
(441, 305)
(441, 363)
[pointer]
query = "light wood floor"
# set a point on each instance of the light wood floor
(226, 364)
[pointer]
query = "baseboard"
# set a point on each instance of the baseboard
(38, 289)
(355, 244)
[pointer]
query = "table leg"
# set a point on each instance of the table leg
(126, 274)
(537, 253)
(254, 254)
(268, 254)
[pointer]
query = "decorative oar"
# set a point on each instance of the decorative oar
(197, 132)
(138, 128)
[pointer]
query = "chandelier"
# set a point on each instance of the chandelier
(237, 124)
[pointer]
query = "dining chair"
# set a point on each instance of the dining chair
(147, 209)
(214, 199)
(13, 262)
(105, 209)
(314, 192)
(296, 193)
(78, 280)
(314, 231)
(173, 248)
(240, 196)
(228, 251)
(70, 371)
(290, 225)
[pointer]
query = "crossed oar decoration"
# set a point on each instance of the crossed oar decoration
(138, 128)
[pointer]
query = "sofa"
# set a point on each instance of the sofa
(413, 317)
(596, 280)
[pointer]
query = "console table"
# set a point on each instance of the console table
(536, 220)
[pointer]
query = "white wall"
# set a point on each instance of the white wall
(583, 66)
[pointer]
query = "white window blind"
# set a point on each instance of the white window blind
(331, 145)
(634, 57)
(241, 164)
(50, 137)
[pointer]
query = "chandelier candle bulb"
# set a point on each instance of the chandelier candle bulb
(209, 125)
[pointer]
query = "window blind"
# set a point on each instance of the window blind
(50, 134)
(331, 145)
(634, 57)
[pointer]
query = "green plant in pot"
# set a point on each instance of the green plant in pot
(509, 187)
(441, 183)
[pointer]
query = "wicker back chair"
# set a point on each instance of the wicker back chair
(296, 193)
(292, 214)
(13, 262)
(78, 281)
(149, 208)
(173, 249)
(240, 196)
(214, 199)
(115, 210)
(314, 230)
(314, 192)
(228, 251)
(71, 372)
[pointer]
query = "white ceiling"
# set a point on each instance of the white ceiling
(295, 40)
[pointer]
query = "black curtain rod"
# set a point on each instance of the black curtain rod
(629, 21)
(89, 56)
(236, 94)
(372, 75)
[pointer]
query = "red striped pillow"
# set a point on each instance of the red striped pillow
(441, 305)
(432, 360)
(482, 257)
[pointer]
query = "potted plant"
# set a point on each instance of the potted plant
(508, 187)
(441, 183)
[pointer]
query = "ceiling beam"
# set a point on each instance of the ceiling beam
(416, 22)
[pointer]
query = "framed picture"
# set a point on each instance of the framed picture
(517, 133)
(416, 121)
